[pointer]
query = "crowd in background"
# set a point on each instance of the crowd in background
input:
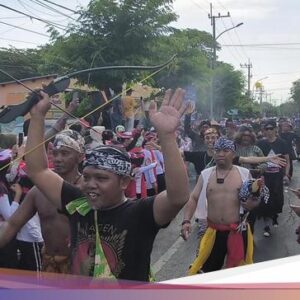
(126, 124)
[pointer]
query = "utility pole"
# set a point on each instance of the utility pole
(261, 94)
(248, 66)
(213, 24)
(214, 54)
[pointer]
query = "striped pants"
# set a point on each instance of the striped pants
(30, 256)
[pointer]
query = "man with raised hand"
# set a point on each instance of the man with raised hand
(110, 236)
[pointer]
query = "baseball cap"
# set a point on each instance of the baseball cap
(270, 124)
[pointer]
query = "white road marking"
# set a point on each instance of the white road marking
(165, 258)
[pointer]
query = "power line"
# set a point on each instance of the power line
(27, 6)
(51, 9)
(238, 37)
(10, 29)
(280, 73)
(239, 57)
(32, 17)
(18, 27)
(235, 31)
(61, 6)
(279, 89)
(198, 5)
(20, 17)
(257, 45)
(19, 41)
(272, 48)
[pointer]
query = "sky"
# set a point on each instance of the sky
(269, 38)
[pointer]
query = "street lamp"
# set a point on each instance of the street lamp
(238, 25)
(213, 62)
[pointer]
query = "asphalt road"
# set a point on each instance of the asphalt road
(171, 256)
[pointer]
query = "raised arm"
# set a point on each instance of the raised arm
(48, 182)
(168, 203)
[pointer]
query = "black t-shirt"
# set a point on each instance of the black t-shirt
(202, 160)
(279, 146)
(289, 137)
(127, 234)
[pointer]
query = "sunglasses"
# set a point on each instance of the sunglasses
(269, 128)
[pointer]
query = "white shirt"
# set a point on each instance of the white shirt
(31, 231)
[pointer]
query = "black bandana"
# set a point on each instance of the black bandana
(109, 159)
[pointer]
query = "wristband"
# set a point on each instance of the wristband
(185, 222)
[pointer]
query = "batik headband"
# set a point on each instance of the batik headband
(224, 144)
(109, 159)
(71, 139)
(211, 131)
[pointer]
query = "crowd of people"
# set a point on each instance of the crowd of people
(90, 200)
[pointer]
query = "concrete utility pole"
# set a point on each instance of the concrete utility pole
(248, 66)
(214, 53)
(262, 92)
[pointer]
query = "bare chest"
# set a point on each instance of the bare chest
(224, 184)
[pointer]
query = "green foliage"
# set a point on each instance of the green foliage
(19, 63)
(247, 108)
(135, 32)
(288, 109)
(191, 66)
(268, 109)
(113, 33)
(228, 86)
(295, 91)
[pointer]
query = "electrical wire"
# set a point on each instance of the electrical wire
(61, 27)
(19, 41)
(26, 6)
(280, 73)
(61, 6)
(28, 30)
(230, 37)
(234, 29)
(198, 5)
(10, 29)
(52, 9)
(265, 44)
(6, 18)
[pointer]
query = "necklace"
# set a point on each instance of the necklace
(77, 179)
(207, 164)
(221, 180)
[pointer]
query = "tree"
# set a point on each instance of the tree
(192, 61)
(289, 108)
(228, 86)
(247, 108)
(295, 91)
(111, 32)
(138, 32)
(19, 63)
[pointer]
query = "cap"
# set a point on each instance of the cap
(270, 123)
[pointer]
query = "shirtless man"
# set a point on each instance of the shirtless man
(67, 155)
(216, 197)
